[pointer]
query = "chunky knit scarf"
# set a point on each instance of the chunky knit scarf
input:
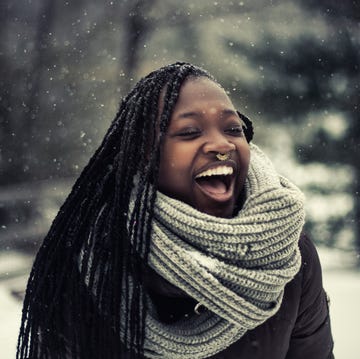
(237, 268)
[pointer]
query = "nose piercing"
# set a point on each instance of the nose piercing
(223, 156)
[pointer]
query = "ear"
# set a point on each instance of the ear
(248, 127)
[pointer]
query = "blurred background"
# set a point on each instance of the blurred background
(291, 66)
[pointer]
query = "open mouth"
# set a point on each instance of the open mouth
(216, 182)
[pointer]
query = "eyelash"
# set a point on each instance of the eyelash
(235, 130)
(192, 133)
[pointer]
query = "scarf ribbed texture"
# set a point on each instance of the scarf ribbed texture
(237, 268)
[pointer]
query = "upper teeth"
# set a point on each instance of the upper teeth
(217, 171)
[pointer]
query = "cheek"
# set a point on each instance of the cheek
(244, 153)
(246, 157)
(176, 169)
(177, 158)
(173, 168)
(173, 180)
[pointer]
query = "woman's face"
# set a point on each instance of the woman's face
(204, 123)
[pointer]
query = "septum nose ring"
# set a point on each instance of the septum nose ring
(223, 156)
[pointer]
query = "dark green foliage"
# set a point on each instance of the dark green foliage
(314, 75)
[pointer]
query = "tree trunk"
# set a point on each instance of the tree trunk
(42, 47)
(136, 27)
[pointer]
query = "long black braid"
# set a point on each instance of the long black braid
(97, 242)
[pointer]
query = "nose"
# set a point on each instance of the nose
(217, 142)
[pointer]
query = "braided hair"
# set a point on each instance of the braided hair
(80, 277)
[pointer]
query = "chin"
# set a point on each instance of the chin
(218, 210)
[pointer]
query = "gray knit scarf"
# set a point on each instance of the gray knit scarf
(237, 268)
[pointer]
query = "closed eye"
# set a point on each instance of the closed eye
(235, 130)
(189, 132)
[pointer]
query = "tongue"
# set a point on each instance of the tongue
(212, 185)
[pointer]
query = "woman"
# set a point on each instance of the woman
(179, 240)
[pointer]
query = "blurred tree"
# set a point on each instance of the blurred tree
(39, 63)
(344, 17)
(48, 80)
(13, 69)
(313, 75)
(136, 27)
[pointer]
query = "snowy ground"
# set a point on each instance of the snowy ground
(341, 281)
(11, 282)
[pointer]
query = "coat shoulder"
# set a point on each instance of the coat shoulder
(301, 327)
(311, 335)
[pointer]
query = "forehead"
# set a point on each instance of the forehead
(202, 93)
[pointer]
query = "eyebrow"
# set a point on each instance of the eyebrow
(199, 114)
